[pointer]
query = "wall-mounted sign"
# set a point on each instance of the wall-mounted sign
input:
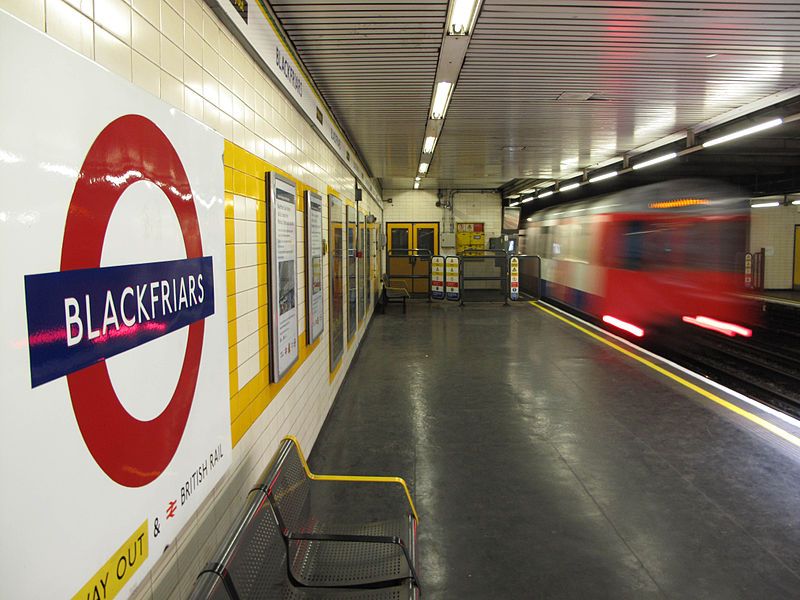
(352, 285)
(361, 257)
(114, 332)
(260, 33)
(437, 277)
(315, 303)
(748, 271)
(282, 228)
(513, 278)
(451, 278)
(336, 262)
(240, 6)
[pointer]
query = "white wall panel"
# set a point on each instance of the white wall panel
(155, 44)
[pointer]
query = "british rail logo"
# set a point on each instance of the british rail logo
(83, 313)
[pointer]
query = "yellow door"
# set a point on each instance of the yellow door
(426, 241)
(426, 237)
(398, 244)
(796, 278)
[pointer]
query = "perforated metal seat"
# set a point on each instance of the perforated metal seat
(342, 563)
(328, 559)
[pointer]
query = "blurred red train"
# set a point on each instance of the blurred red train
(650, 257)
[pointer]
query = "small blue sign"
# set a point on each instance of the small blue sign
(77, 318)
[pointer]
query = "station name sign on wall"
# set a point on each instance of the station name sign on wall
(116, 419)
(263, 36)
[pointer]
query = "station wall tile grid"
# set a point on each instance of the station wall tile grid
(178, 50)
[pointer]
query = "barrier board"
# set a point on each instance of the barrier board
(437, 277)
(513, 278)
(115, 402)
(451, 278)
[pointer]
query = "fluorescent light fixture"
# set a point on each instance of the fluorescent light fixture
(514, 204)
(430, 142)
(546, 194)
(441, 98)
(423, 167)
(743, 132)
(416, 185)
(526, 200)
(512, 197)
(417, 178)
(528, 191)
(655, 161)
(571, 186)
(766, 204)
(462, 17)
(608, 175)
(795, 202)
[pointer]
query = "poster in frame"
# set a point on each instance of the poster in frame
(282, 248)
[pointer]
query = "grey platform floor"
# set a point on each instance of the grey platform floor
(545, 464)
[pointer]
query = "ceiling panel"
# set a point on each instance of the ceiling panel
(374, 62)
(648, 68)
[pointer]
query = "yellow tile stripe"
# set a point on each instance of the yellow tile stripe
(763, 423)
(244, 176)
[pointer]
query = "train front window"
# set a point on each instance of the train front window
(632, 245)
(716, 245)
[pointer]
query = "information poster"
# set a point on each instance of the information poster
(361, 257)
(315, 303)
(437, 277)
(513, 274)
(451, 279)
(336, 261)
(114, 337)
(352, 285)
(368, 275)
(283, 274)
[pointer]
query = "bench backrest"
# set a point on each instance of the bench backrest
(251, 562)
(290, 490)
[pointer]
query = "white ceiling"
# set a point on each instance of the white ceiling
(651, 68)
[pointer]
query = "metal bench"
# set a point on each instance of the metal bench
(288, 542)
(393, 293)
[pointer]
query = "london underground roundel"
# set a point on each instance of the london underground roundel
(100, 312)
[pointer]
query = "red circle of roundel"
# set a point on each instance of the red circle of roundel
(130, 149)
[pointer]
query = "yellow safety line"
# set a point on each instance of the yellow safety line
(785, 435)
(360, 478)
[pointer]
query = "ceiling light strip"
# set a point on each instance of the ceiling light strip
(743, 132)
(461, 18)
(603, 176)
(655, 161)
(441, 99)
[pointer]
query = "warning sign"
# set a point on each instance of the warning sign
(437, 277)
(513, 277)
(451, 278)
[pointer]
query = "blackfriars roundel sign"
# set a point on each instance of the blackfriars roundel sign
(130, 149)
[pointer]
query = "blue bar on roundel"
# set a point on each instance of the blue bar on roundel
(77, 318)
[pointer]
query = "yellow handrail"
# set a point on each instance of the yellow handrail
(362, 478)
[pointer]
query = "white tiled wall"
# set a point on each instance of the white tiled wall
(179, 51)
(773, 229)
(468, 207)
